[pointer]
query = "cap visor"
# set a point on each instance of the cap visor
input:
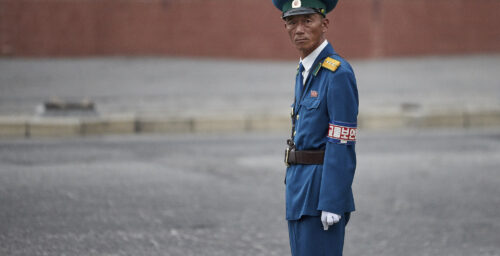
(299, 11)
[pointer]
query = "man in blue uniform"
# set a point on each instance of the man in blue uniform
(321, 158)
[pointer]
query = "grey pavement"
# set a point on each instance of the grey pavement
(453, 87)
(418, 192)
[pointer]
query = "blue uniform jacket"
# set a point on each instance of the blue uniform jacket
(326, 109)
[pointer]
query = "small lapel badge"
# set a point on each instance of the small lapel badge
(314, 94)
(296, 4)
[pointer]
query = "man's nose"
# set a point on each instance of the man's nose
(300, 28)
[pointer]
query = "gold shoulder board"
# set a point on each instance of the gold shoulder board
(331, 64)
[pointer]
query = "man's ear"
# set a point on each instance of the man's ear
(325, 24)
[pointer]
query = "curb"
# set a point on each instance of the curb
(34, 127)
(435, 118)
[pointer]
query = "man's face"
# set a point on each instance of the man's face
(306, 32)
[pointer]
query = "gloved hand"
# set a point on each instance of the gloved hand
(328, 219)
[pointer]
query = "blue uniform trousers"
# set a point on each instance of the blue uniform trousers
(307, 237)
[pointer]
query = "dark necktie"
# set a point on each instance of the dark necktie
(300, 76)
(299, 83)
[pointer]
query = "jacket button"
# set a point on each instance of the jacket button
(297, 117)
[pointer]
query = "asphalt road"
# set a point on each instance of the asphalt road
(418, 192)
(194, 87)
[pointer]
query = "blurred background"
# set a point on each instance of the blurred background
(157, 127)
(241, 29)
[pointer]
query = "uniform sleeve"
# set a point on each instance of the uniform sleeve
(340, 156)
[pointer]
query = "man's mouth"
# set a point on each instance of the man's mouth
(300, 40)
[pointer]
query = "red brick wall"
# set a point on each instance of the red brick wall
(242, 28)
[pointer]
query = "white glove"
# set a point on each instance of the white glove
(328, 219)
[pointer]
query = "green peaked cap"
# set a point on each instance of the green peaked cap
(300, 7)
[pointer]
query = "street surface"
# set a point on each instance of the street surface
(200, 87)
(419, 192)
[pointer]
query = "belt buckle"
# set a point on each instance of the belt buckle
(287, 153)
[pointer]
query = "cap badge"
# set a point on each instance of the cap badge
(296, 4)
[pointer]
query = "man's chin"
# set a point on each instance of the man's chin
(302, 47)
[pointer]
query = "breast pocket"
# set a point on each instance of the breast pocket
(310, 103)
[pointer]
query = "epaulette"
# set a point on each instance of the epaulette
(331, 64)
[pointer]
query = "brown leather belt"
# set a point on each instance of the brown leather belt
(304, 156)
